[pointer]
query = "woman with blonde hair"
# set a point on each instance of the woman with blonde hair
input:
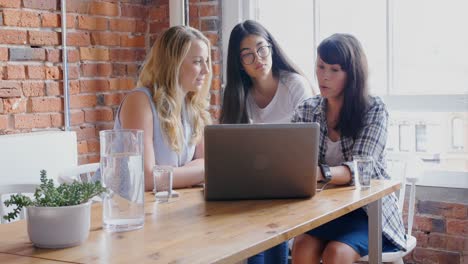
(170, 105)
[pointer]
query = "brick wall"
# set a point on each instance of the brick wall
(107, 40)
(441, 229)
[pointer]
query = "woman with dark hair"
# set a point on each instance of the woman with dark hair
(263, 86)
(351, 123)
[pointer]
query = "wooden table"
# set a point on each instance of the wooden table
(190, 230)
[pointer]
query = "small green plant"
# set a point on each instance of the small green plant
(47, 195)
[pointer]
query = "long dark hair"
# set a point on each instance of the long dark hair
(346, 50)
(238, 84)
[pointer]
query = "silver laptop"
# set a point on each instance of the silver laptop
(261, 161)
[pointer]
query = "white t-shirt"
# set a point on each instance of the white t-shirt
(334, 154)
(292, 90)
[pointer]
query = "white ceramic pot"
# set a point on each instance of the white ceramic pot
(58, 227)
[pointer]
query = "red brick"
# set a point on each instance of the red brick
(216, 68)
(215, 113)
(93, 146)
(215, 84)
(82, 147)
(213, 38)
(10, 89)
(449, 210)
(73, 72)
(57, 120)
(98, 115)
(1, 106)
(160, 13)
(12, 37)
(54, 55)
(53, 73)
(195, 23)
(76, 117)
(46, 104)
(157, 27)
(32, 121)
(138, 11)
(41, 4)
(10, 3)
(94, 54)
(81, 101)
(193, 12)
(27, 54)
(124, 25)
(14, 105)
(74, 6)
(36, 72)
(132, 41)
(103, 8)
(121, 84)
(43, 38)
(89, 86)
(55, 20)
(119, 70)
(3, 54)
(215, 55)
(215, 98)
(18, 18)
(73, 56)
(105, 39)
(457, 227)
(94, 158)
(3, 118)
(92, 23)
(113, 99)
(78, 39)
(132, 70)
(123, 55)
(96, 69)
(50, 20)
(425, 255)
(208, 10)
(34, 88)
(85, 132)
(55, 88)
(15, 72)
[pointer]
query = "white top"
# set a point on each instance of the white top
(292, 90)
(333, 155)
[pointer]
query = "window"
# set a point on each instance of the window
(417, 65)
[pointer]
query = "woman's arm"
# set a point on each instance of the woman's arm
(136, 114)
(192, 173)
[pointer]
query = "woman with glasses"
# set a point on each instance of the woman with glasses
(263, 86)
(351, 123)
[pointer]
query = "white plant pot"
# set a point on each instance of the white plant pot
(58, 227)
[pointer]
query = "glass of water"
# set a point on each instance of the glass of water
(162, 178)
(363, 169)
(123, 175)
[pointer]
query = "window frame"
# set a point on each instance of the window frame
(235, 11)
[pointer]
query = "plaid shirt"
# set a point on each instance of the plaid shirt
(371, 142)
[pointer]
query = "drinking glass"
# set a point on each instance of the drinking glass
(123, 175)
(364, 167)
(162, 178)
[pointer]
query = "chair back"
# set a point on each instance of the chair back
(7, 190)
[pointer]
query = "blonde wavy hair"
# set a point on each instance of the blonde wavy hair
(160, 73)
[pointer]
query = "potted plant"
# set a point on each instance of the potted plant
(58, 217)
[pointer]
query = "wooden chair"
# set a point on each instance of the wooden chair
(407, 169)
(6, 191)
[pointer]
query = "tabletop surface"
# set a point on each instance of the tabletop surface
(190, 230)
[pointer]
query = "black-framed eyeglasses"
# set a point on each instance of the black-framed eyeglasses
(262, 52)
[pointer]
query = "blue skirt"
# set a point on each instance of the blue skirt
(351, 229)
